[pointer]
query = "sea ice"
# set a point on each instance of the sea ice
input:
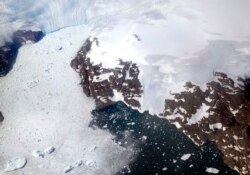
(15, 164)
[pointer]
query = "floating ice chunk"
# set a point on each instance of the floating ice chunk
(89, 163)
(49, 150)
(15, 164)
(68, 169)
(78, 163)
(38, 153)
(212, 170)
(92, 149)
(164, 169)
(41, 154)
(185, 157)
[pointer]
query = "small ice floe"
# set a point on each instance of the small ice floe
(41, 154)
(185, 157)
(38, 154)
(89, 163)
(68, 169)
(92, 149)
(15, 164)
(132, 123)
(212, 170)
(49, 150)
(78, 163)
(164, 169)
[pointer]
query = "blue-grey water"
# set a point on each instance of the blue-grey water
(159, 145)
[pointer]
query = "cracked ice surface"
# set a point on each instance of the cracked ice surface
(44, 105)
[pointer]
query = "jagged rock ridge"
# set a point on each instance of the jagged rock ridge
(107, 85)
(220, 114)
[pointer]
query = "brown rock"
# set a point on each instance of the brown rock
(122, 79)
(227, 120)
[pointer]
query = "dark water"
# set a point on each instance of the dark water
(8, 52)
(8, 57)
(159, 144)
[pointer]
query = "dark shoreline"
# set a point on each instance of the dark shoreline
(159, 144)
(8, 52)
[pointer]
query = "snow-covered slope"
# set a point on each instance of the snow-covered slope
(44, 106)
(217, 17)
(170, 55)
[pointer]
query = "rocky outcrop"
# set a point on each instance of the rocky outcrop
(107, 85)
(8, 52)
(221, 113)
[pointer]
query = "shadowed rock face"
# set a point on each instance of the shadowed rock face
(105, 84)
(8, 52)
(1, 117)
(221, 114)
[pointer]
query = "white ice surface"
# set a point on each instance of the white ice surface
(15, 164)
(185, 157)
(179, 40)
(212, 170)
(44, 105)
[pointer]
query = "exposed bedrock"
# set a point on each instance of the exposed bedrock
(107, 85)
(221, 113)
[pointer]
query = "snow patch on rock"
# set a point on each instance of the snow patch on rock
(200, 113)
(215, 126)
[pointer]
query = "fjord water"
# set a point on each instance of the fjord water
(159, 145)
